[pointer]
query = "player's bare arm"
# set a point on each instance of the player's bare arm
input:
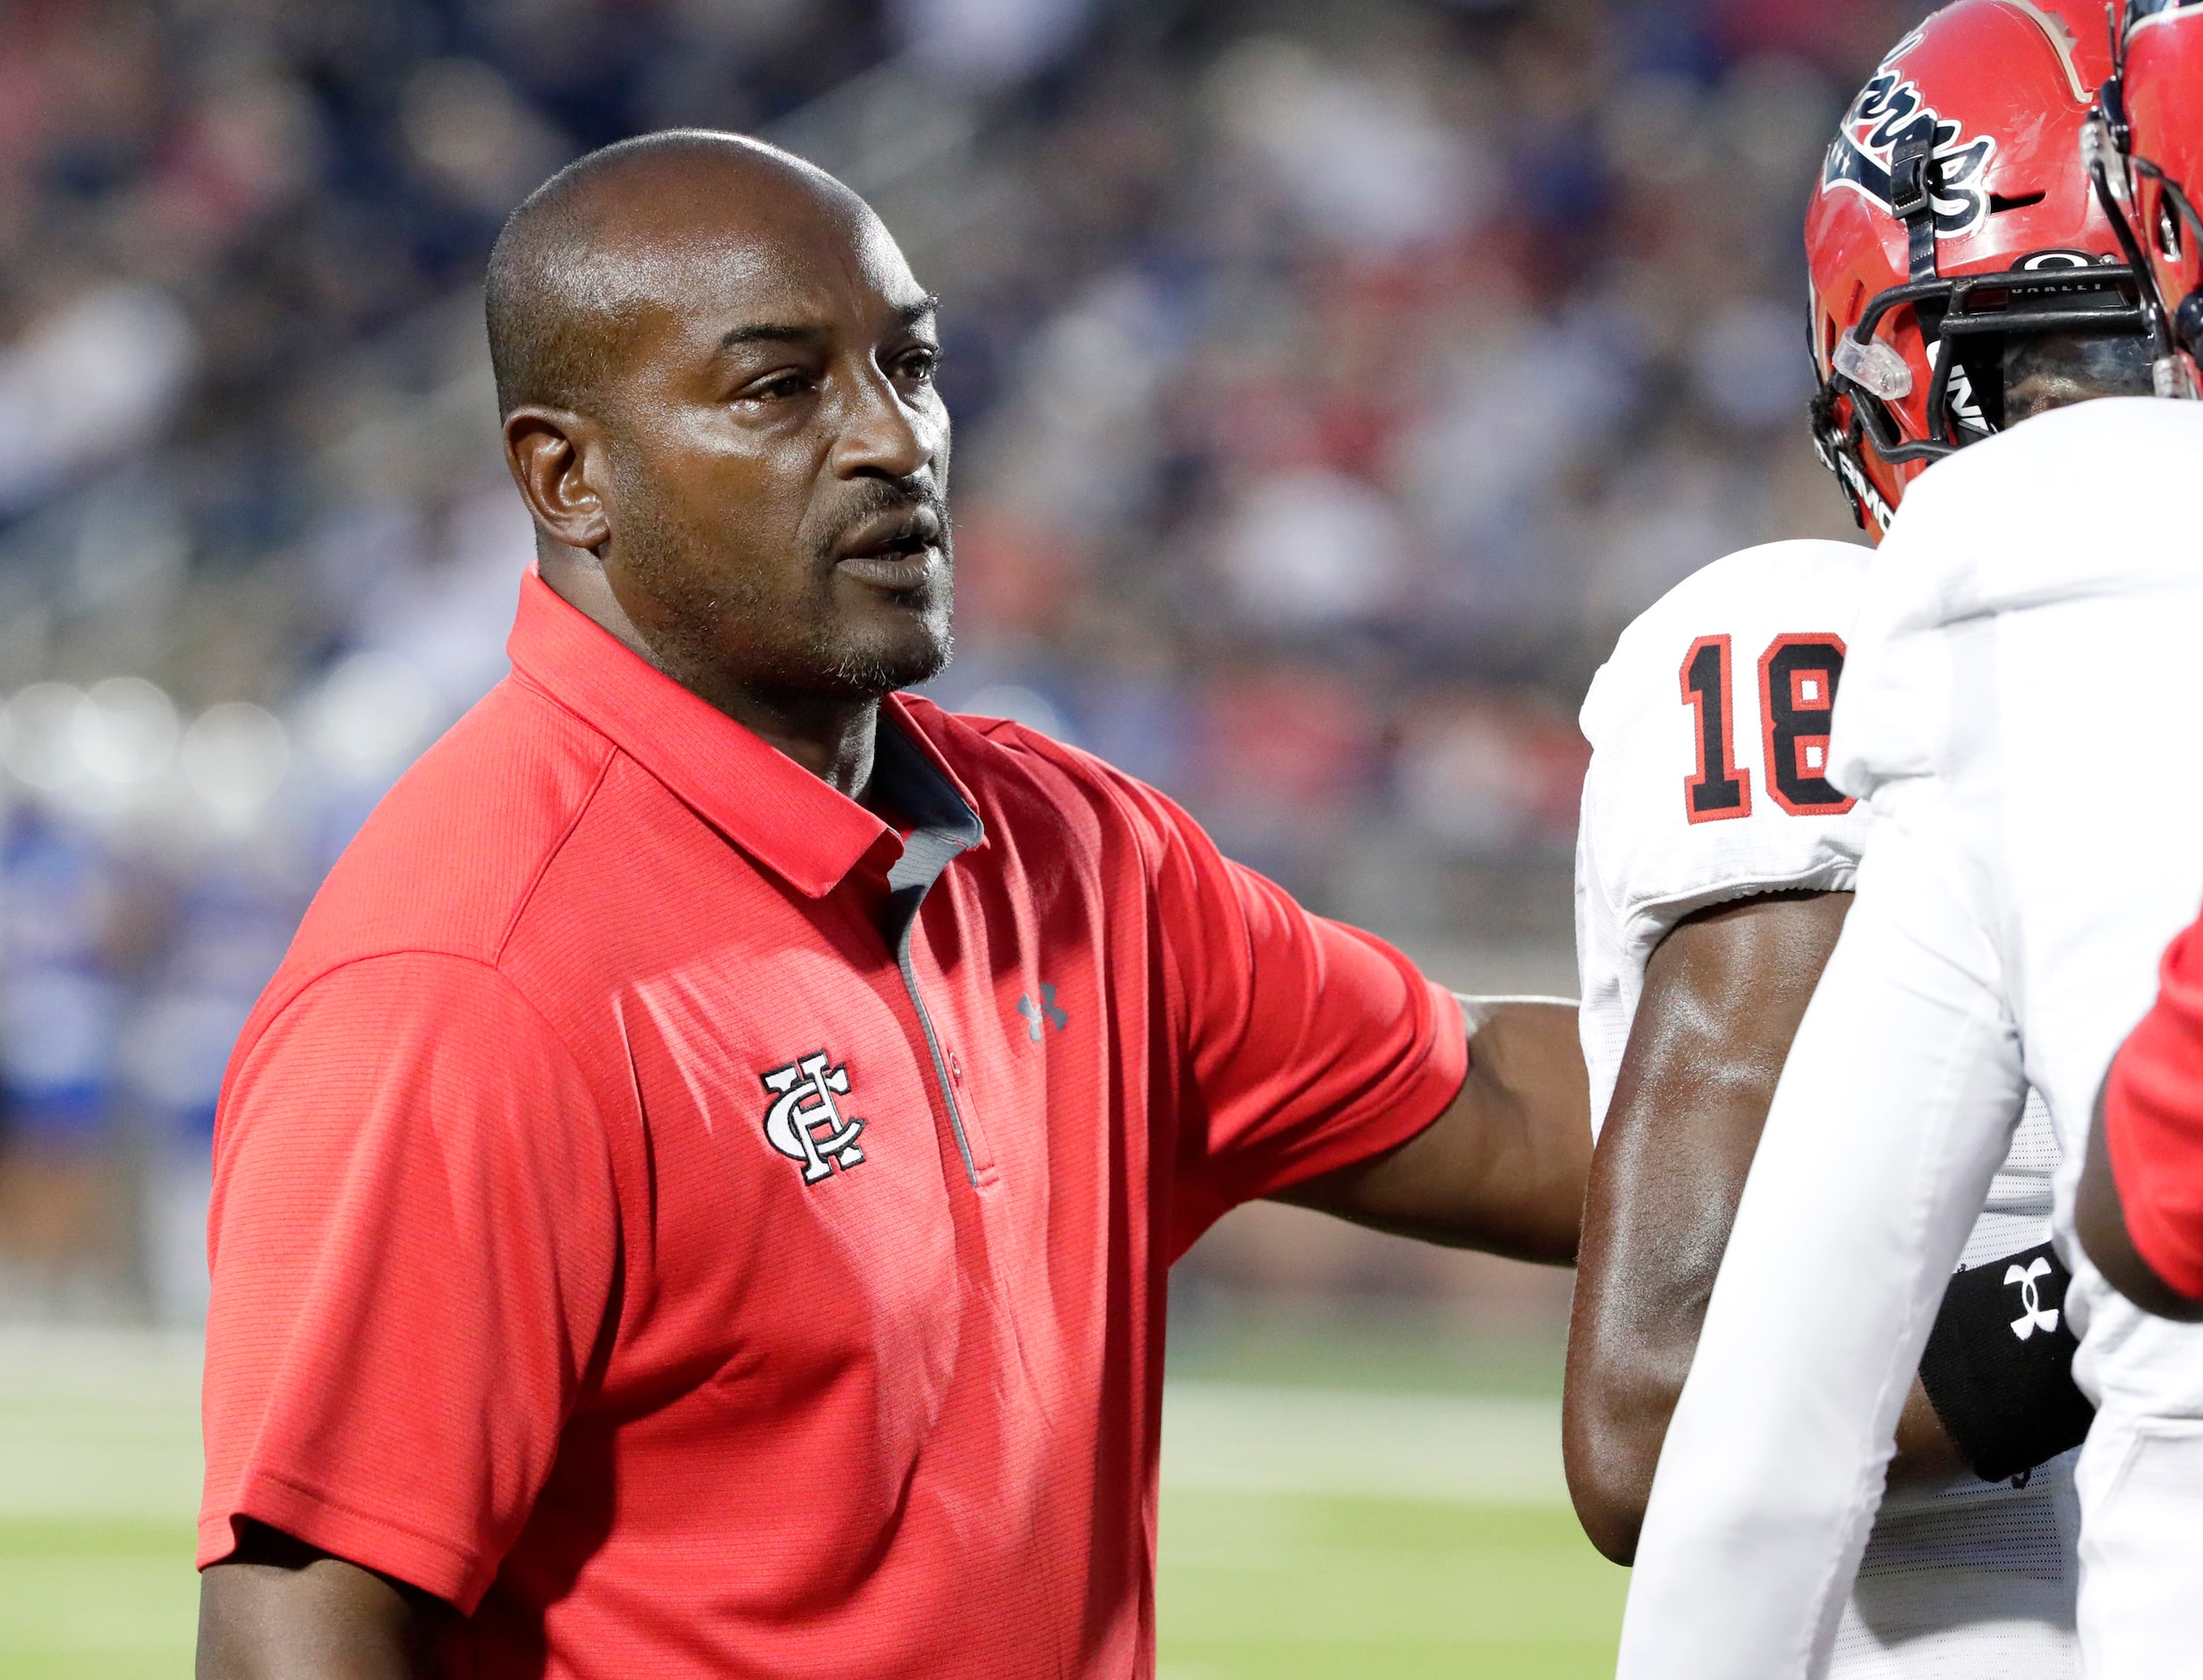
(278, 1610)
(1723, 995)
(2099, 1220)
(1504, 1167)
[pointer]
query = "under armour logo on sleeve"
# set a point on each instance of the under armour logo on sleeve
(2033, 1315)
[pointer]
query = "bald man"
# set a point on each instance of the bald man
(696, 1200)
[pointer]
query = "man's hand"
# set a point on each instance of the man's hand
(1502, 1168)
(278, 1610)
(1723, 995)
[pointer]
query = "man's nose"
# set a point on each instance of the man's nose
(884, 435)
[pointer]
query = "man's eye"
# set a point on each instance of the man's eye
(781, 385)
(920, 365)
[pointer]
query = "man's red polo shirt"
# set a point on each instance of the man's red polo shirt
(623, 1230)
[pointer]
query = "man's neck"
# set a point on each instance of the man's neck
(833, 737)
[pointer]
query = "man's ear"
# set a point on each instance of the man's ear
(558, 459)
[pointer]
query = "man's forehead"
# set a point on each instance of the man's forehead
(808, 263)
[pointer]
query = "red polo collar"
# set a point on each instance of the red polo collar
(796, 825)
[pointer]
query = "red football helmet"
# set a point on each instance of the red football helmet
(1952, 227)
(2144, 149)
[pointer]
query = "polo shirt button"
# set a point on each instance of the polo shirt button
(955, 1068)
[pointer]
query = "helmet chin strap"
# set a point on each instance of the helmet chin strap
(1912, 200)
(1913, 194)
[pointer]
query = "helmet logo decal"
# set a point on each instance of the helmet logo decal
(1853, 478)
(1966, 415)
(1888, 110)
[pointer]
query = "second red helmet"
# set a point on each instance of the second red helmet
(2152, 170)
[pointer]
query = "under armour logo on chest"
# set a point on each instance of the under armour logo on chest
(2033, 1315)
(1040, 1016)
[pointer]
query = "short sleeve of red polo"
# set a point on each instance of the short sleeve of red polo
(413, 1237)
(2153, 1117)
(1313, 1045)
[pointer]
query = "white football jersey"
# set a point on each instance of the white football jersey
(1709, 730)
(2015, 709)
(1682, 805)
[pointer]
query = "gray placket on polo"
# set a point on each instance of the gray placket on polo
(941, 827)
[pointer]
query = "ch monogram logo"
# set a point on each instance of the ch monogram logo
(806, 1124)
(1044, 1014)
(2033, 1315)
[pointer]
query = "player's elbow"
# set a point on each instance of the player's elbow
(1628, 1352)
(1609, 1463)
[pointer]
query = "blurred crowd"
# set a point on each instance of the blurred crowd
(1332, 381)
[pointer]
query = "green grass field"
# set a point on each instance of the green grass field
(1309, 1529)
(1311, 1587)
(98, 1467)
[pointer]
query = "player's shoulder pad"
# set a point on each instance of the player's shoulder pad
(2081, 504)
(2083, 500)
(1709, 734)
(1801, 580)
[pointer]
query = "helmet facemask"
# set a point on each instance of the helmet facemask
(2079, 315)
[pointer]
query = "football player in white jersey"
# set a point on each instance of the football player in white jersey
(2013, 714)
(1964, 278)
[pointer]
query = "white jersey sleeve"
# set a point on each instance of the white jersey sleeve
(1860, 1199)
(1708, 777)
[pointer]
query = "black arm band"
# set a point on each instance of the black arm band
(1999, 1365)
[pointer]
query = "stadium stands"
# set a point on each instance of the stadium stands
(1332, 383)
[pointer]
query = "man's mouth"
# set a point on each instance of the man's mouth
(898, 551)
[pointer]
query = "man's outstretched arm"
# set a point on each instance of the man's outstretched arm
(278, 1610)
(1723, 994)
(1502, 1167)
